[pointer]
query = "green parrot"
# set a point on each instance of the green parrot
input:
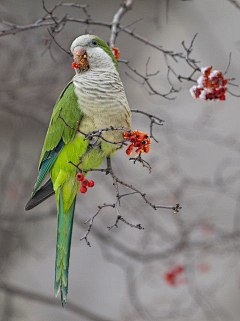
(92, 100)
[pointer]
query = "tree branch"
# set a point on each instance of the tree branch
(125, 6)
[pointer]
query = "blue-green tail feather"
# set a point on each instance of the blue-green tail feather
(64, 236)
(47, 163)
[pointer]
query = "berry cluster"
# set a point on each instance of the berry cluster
(84, 182)
(171, 276)
(141, 141)
(211, 86)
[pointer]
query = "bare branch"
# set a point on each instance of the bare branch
(118, 196)
(50, 20)
(151, 90)
(125, 6)
(191, 62)
(90, 221)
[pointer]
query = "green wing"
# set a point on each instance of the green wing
(65, 116)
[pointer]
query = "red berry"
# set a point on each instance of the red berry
(75, 65)
(133, 139)
(83, 189)
(219, 74)
(79, 177)
(116, 52)
(210, 96)
(207, 71)
(139, 150)
(146, 149)
(91, 183)
(129, 150)
(84, 182)
(138, 144)
(140, 135)
(224, 82)
(127, 134)
(198, 91)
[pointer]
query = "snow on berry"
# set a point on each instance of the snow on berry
(139, 140)
(210, 85)
(206, 70)
(195, 91)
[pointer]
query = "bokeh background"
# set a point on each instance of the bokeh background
(122, 276)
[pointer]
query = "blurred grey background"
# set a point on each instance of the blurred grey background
(195, 163)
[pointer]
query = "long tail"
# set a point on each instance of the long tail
(64, 236)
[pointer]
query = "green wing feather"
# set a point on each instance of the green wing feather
(66, 108)
(65, 116)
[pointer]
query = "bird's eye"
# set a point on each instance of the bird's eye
(94, 43)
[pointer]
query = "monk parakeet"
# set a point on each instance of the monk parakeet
(93, 99)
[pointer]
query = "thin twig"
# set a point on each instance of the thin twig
(153, 120)
(90, 221)
(53, 38)
(229, 63)
(150, 89)
(139, 159)
(120, 218)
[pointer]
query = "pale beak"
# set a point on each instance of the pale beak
(78, 52)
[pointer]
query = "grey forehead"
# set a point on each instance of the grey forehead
(82, 41)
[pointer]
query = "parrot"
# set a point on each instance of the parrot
(94, 99)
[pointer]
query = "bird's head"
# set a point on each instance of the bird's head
(92, 53)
